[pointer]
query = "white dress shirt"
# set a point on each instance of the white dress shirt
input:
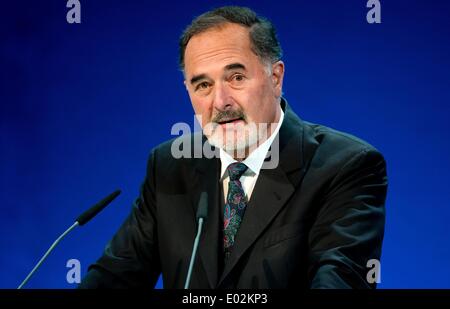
(254, 163)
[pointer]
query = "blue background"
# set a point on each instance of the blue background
(83, 104)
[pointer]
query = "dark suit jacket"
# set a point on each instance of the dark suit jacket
(312, 222)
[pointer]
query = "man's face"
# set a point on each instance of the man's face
(230, 88)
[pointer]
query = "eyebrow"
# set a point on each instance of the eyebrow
(196, 78)
(229, 67)
(235, 66)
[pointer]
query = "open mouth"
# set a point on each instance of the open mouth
(230, 121)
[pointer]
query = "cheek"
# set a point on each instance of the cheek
(256, 98)
(203, 108)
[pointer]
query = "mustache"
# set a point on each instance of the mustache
(228, 115)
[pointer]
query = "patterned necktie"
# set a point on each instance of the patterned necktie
(234, 207)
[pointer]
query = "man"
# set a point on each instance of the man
(312, 221)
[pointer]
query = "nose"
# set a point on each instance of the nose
(222, 100)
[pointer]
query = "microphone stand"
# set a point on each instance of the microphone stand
(55, 243)
(202, 214)
(194, 253)
(80, 221)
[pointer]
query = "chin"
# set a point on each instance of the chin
(238, 142)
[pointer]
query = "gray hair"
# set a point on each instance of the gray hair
(263, 37)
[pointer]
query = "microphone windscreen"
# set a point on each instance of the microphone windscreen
(94, 210)
(202, 209)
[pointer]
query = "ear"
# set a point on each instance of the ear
(185, 84)
(277, 76)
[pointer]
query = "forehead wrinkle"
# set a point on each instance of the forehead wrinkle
(226, 52)
(200, 65)
(227, 45)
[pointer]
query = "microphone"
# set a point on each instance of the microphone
(86, 216)
(202, 214)
(81, 220)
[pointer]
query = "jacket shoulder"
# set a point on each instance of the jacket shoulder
(335, 141)
(175, 161)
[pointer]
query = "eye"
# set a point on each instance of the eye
(237, 79)
(202, 86)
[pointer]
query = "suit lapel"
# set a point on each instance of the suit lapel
(273, 188)
(271, 192)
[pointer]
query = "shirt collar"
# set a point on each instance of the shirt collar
(256, 159)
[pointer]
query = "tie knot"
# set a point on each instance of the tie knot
(235, 170)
